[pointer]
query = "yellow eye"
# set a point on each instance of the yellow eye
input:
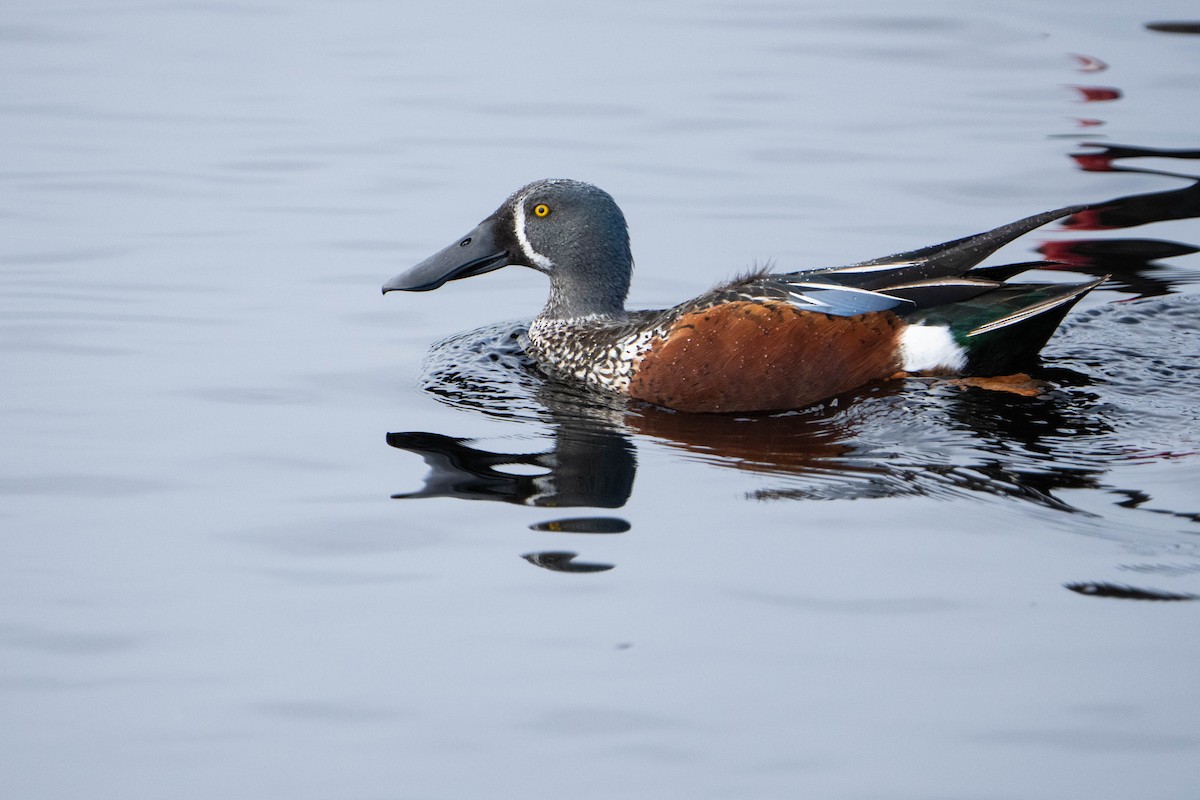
(541, 210)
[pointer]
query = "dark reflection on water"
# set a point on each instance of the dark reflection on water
(1174, 27)
(1142, 209)
(904, 438)
(1133, 264)
(564, 561)
(582, 525)
(1119, 592)
(918, 437)
(586, 467)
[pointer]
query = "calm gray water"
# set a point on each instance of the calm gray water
(207, 589)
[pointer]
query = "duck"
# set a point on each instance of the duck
(764, 341)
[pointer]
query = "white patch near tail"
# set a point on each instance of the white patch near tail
(930, 348)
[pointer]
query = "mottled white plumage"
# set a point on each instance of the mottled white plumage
(931, 348)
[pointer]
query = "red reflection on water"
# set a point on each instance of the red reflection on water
(1064, 252)
(1093, 252)
(1098, 94)
(1089, 220)
(1093, 162)
(1088, 63)
(1131, 265)
(1101, 159)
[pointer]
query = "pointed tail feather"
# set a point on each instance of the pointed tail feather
(1051, 302)
(949, 258)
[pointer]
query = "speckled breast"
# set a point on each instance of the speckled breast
(601, 352)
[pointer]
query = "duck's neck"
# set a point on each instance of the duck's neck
(590, 274)
(571, 301)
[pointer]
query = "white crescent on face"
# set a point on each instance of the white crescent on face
(539, 261)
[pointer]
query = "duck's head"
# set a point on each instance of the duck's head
(571, 231)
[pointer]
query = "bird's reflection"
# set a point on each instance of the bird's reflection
(917, 437)
(587, 466)
(1134, 264)
(1122, 592)
(564, 561)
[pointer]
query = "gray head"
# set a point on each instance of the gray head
(571, 231)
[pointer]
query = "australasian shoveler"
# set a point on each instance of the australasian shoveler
(764, 341)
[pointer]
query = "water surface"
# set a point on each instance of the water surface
(267, 534)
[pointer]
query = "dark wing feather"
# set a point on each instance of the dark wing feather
(946, 260)
(905, 282)
(940, 291)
